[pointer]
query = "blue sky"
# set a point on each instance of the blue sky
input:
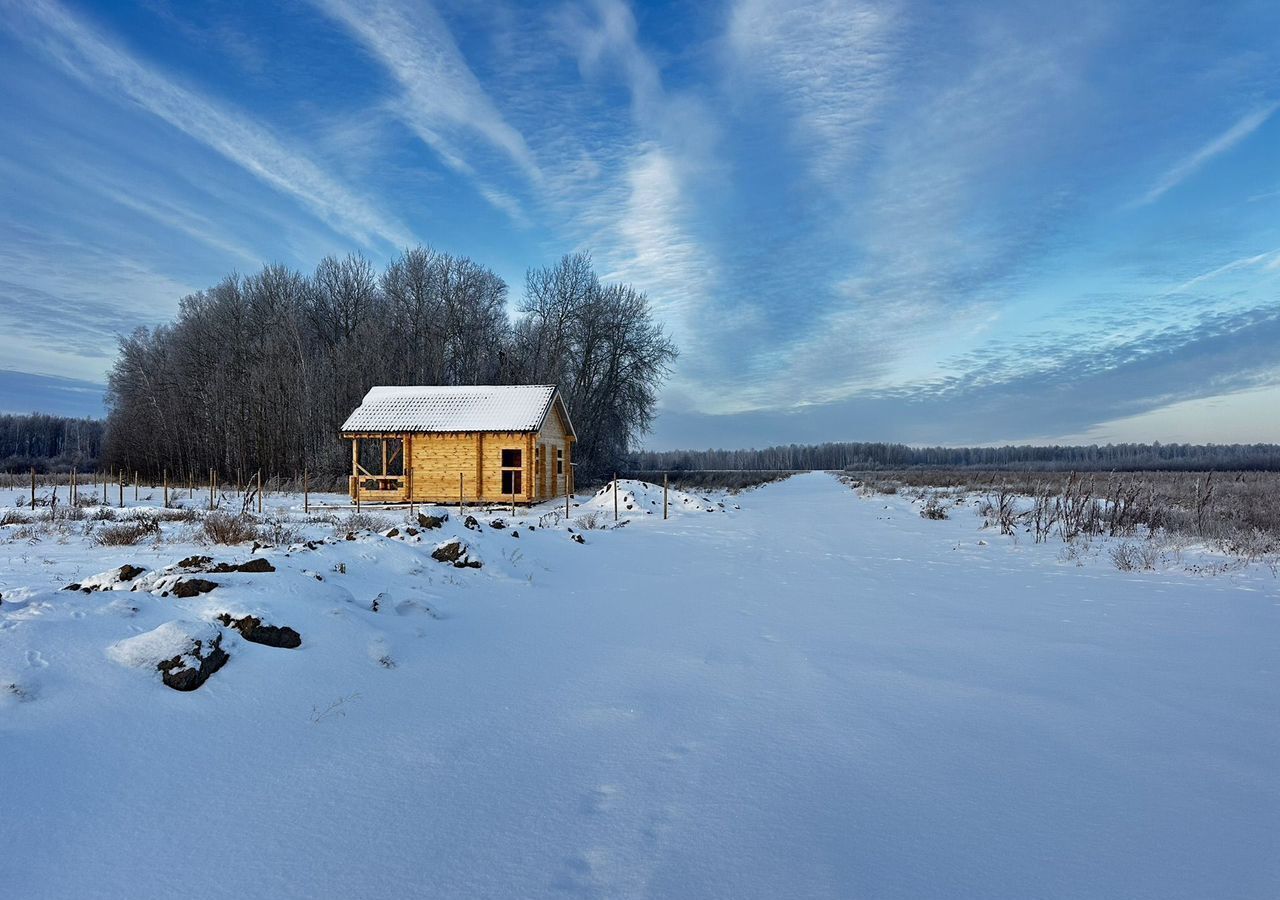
(938, 223)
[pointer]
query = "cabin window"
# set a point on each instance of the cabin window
(512, 466)
(559, 461)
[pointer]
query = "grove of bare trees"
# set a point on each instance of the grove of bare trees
(259, 371)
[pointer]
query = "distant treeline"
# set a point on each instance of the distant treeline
(258, 372)
(873, 456)
(49, 443)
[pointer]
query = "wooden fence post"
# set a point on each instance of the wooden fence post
(135, 485)
(664, 495)
(33, 487)
(122, 488)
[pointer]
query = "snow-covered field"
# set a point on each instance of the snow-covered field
(812, 695)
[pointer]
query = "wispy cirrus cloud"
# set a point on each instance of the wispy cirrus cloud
(1185, 168)
(633, 197)
(443, 102)
(104, 66)
(833, 63)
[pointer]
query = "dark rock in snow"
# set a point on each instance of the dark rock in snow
(181, 676)
(411, 532)
(470, 522)
(430, 522)
(258, 564)
(195, 562)
(578, 538)
(394, 532)
(252, 630)
(497, 524)
(193, 587)
(455, 552)
(72, 587)
(128, 572)
(515, 533)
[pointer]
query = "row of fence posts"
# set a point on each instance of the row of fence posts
(73, 487)
(72, 491)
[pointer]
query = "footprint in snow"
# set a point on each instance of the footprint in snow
(601, 799)
(36, 660)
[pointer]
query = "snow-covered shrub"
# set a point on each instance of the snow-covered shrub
(933, 508)
(1129, 555)
(589, 521)
(14, 517)
(278, 533)
(127, 533)
(361, 521)
(227, 528)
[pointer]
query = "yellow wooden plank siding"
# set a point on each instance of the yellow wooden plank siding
(552, 438)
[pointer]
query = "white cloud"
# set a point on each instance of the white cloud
(1187, 167)
(105, 67)
(832, 61)
(443, 102)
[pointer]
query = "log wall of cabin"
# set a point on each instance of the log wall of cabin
(551, 438)
(437, 459)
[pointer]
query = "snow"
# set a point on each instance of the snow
(453, 408)
(814, 695)
(146, 650)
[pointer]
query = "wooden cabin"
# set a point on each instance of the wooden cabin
(472, 444)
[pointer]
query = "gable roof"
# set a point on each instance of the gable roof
(438, 408)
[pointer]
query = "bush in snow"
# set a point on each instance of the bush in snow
(126, 534)
(933, 509)
(226, 528)
(361, 521)
(1129, 556)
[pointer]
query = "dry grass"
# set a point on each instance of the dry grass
(128, 533)
(14, 517)
(1237, 513)
(228, 528)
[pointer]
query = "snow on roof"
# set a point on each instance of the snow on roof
(428, 408)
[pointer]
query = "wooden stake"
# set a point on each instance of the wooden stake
(615, 496)
(357, 493)
(135, 485)
(165, 476)
(459, 494)
(211, 477)
(306, 493)
(33, 487)
(259, 490)
(122, 488)
(664, 495)
(71, 491)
